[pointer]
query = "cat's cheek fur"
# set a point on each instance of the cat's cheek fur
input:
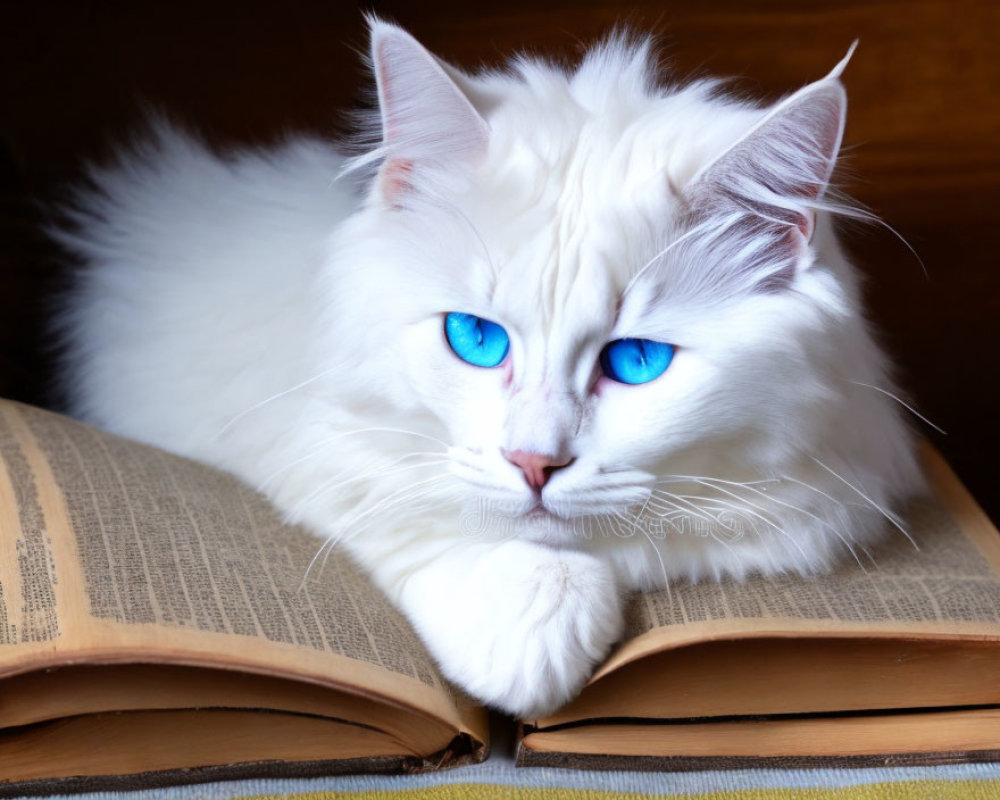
(517, 625)
(467, 400)
(640, 426)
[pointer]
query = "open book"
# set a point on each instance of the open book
(891, 659)
(157, 626)
(155, 617)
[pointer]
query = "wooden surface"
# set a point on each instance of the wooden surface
(922, 136)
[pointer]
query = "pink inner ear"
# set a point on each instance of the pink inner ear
(395, 178)
(426, 118)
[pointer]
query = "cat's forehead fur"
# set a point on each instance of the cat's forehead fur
(582, 183)
(577, 206)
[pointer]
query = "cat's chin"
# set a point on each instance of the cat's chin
(537, 524)
(543, 527)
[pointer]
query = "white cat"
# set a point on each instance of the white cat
(574, 334)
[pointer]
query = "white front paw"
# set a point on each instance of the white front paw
(535, 625)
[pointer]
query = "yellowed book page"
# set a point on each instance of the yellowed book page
(77, 690)
(114, 552)
(753, 677)
(124, 744)
(937, 732)
(945, 583)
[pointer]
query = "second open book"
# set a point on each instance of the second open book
(157, 606)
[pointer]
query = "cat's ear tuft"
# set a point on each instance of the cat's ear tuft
(777, 173)
(836, 73)
(785, 161)
(427, 120)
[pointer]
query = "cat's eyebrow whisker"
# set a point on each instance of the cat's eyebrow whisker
(699, 228)
(904, 404)
(871, 502)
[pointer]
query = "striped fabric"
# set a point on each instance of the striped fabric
(498, 778)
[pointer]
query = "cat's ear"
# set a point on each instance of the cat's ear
(427, 119)
(778, 171)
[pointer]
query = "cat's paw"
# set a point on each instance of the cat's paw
(534, 628)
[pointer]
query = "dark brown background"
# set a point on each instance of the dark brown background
(922, 136)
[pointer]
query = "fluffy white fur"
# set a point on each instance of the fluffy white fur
(277, 315)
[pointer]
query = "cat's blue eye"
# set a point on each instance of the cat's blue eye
(635, 360)
(476, 340)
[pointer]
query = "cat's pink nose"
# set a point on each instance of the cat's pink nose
(537, 467)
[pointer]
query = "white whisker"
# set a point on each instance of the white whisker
(326, 488)
(406, 496)
(760, 516)
(396, 498)
(663, 567)
(697, 509)
(274, 397)
(684, 237)
(320, 448)
(871, 502)
(905, 405)
(327, 543)
(837, 533)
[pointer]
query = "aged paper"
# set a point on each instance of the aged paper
(940, 576)
(941, 579)
(115, 552)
